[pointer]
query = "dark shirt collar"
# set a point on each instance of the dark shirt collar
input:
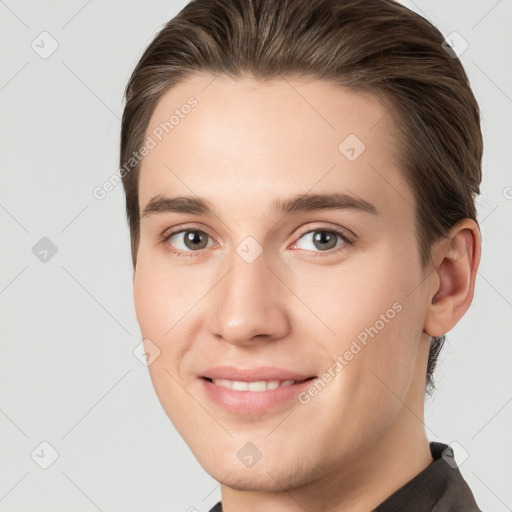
(440, 487)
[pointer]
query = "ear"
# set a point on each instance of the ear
(456, 259)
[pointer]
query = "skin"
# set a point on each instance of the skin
(297, 306)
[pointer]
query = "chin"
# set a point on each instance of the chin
(266, 475)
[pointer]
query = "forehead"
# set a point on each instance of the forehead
(239, 141)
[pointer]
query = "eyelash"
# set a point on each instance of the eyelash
(347, 240)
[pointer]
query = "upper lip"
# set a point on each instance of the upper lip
(253, 374)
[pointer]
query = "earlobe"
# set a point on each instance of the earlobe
(456, 258)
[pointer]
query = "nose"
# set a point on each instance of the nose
(249, 301)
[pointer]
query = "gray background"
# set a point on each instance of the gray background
(68, 374)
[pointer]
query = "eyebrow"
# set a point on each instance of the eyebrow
(295, 204)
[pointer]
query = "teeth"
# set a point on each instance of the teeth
(262, 385)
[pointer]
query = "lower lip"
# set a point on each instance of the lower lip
(252, 402)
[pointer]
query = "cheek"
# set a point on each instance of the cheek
(158, 307)
(160, 292)
(160, 314)
(150, 302)
(350, 297)
(389, 324)
(167, 301)
(374, 321)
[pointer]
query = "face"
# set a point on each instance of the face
(272, 284)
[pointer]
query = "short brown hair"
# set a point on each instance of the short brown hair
(375, 46)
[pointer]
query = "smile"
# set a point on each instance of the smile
(253, 397)
(258, 386)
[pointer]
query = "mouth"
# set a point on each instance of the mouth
(257, 386)
(244, 398)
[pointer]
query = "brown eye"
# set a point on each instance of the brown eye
(321, 240)
(188, 240)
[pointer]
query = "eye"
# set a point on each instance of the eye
(187, 240)
(322, 240)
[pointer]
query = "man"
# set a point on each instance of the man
(300, 181)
